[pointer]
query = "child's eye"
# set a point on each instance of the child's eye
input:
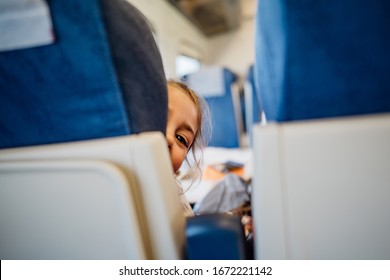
(182, 140)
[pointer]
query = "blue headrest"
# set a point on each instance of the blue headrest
(214, 84)
(317, 59)
(102, 77)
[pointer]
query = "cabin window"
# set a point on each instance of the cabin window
(186, 65)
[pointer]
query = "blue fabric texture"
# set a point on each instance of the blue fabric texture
(224, 123)
(256, 105)
(215, 237)
(319, 59)
(69, 90)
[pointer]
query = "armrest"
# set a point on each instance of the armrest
(215, 237)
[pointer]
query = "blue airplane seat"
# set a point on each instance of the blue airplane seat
(322, 59)
(208, 236)
(253, 112)
(91, 72)
(321, 162)
(101, 77)
(216, 85)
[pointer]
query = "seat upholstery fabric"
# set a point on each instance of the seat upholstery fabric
(94, 81)
(318, 59)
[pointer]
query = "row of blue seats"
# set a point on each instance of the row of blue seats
(72, 188)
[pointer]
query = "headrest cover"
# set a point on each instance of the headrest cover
(211, 81)
(30, 21)
(208, 82)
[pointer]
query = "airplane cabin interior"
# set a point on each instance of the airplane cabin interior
(297, 160)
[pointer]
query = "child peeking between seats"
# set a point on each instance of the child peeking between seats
(186, 131)
(188, 128)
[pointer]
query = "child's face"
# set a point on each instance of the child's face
(182, 125)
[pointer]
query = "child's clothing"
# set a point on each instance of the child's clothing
(231, 192)
(187, 210)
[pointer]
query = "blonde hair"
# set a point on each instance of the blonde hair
(203, 133)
